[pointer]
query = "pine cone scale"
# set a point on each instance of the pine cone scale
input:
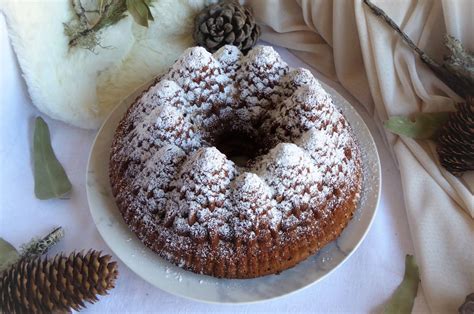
(230, 38)
(227, 14)
(228, 28)
(203, 28)
(220, 23)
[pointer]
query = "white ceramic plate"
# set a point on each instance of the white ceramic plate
(168, 277)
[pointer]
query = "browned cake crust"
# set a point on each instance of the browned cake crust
(189, 203)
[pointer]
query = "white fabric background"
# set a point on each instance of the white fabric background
(362, 285)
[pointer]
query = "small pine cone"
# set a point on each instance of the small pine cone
(226, 23)
(456, 140)
(468, 306)
(43, 285)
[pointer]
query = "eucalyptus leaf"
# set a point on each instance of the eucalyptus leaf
(404, 297)
(8, 254)
(51, 180)
(422, 126)
(150, 16)
(112, 12)
(140, 11)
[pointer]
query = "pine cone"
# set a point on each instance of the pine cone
(42, 285)
(226, 23)
(456, 140)
(468, 306)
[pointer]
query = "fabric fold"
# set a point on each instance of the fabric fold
(346, 42)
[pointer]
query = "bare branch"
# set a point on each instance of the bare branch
(457, 81)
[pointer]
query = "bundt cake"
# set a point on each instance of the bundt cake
(235, 166)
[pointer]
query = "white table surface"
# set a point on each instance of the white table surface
(363, 284)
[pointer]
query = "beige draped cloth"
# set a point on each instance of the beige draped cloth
(346, 42)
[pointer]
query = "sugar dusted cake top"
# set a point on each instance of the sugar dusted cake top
(173, 163)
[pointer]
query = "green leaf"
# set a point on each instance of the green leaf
(423, 125)
(112, 11)
(403, 298)
(51, 180)
(8, 254)
(150, 16)
(140, 11)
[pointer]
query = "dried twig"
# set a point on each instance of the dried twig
(84, 33)
(462, 82)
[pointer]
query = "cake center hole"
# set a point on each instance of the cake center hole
(240, 147)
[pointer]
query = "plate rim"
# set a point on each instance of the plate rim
(130, 98)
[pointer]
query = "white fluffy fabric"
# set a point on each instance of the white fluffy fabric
(81, 87)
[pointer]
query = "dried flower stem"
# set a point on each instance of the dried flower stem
(84, 33)
(38, 247)
(80, 11)
(110, 12)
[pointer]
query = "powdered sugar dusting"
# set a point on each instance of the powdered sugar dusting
(193, 59)
(258, 77)
(191, 204)
(152, 182)
(250, 194)
(299, 77)
(261, 56)
(229, 58)
(289, 170)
